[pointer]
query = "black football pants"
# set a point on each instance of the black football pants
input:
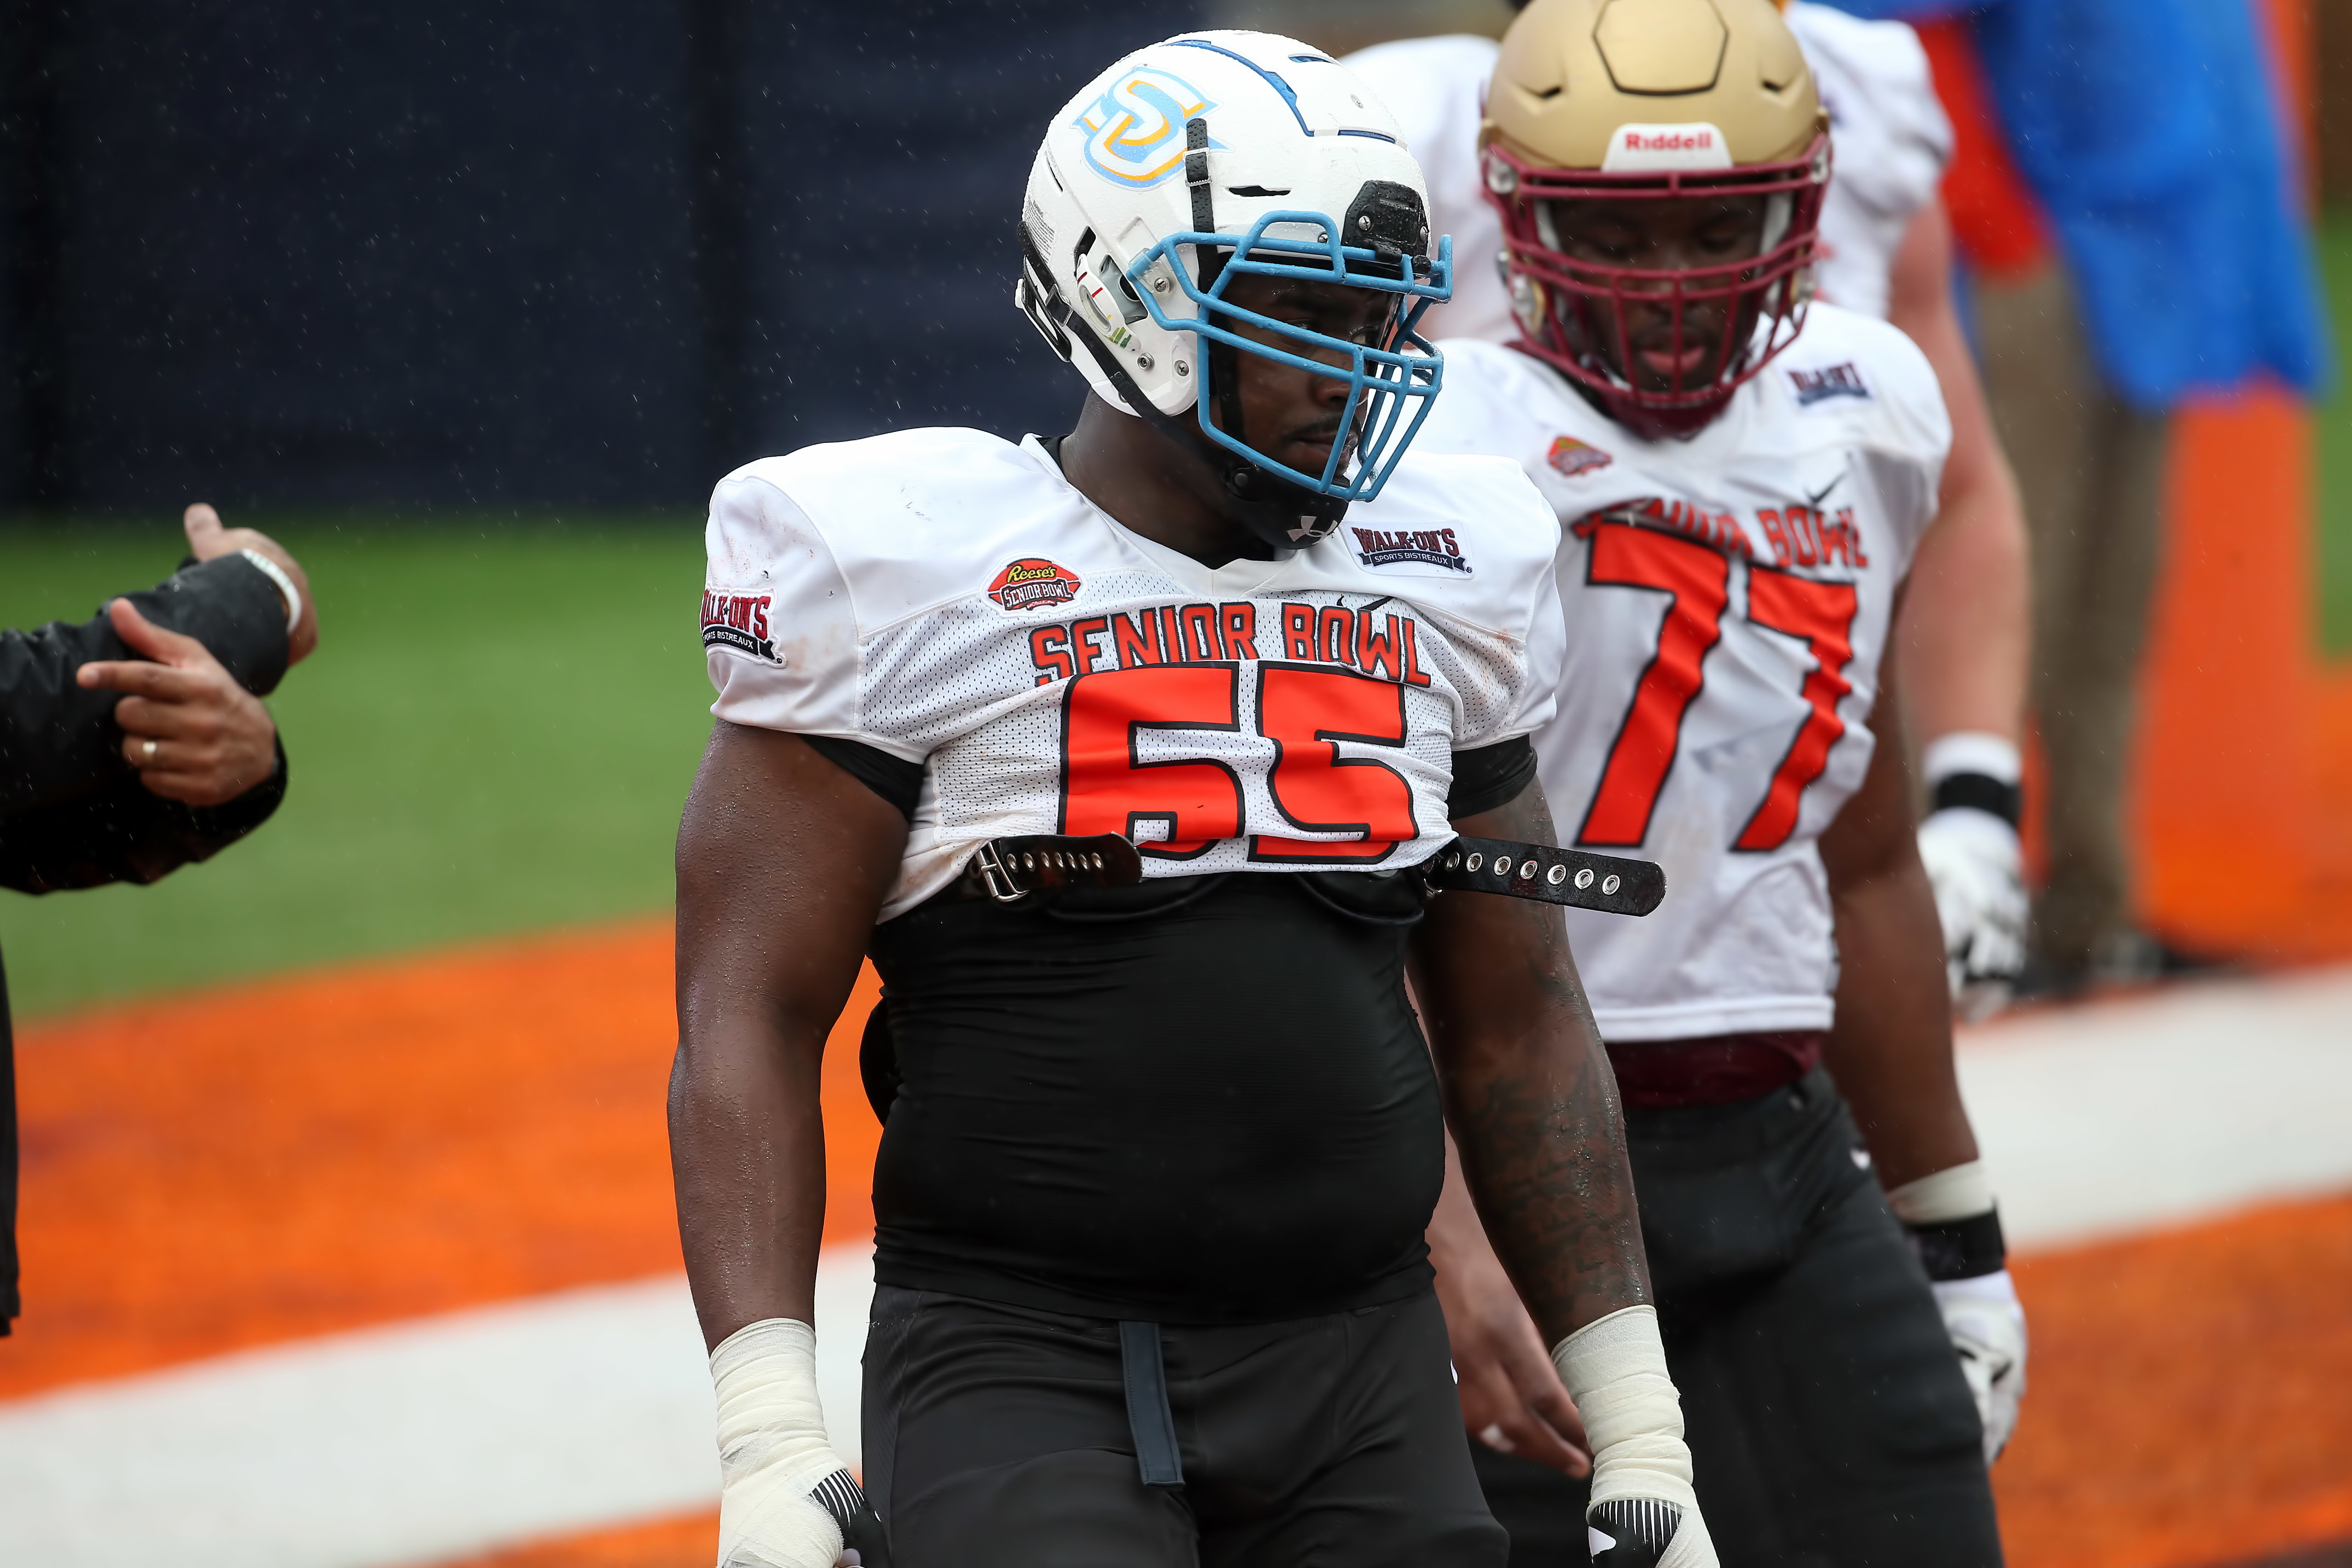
(997, 1437)
(1829, 1424)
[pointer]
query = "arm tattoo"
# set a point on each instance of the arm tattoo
(1529, 1092)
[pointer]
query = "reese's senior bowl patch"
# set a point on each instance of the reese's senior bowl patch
(1032, 581)
(739, 621)
(1408, 547)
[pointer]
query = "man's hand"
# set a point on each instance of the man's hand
(207, 540)
(192, 732)
(1974, 860)
(1986, 1323)
(1512, 1398)
(786, 1501)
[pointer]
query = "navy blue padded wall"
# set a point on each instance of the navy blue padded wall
(887, 146)
(369, 252)
(526, 252)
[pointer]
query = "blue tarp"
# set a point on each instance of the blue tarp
(2148, 130)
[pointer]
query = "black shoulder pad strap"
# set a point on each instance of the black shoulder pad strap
(1568, 877)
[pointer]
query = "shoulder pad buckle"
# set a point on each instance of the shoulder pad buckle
(1010, 869)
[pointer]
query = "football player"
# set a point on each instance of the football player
(1132, 769)
(1742, 483)
(1884, 249)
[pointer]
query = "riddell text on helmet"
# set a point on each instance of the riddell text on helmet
(1698, 145)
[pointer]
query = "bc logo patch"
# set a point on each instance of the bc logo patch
(1572, 457)
(1135, 131)
(739, 621)
(1831, 381)
(1032, 581)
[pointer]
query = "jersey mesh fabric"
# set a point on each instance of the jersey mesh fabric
(1890, 138)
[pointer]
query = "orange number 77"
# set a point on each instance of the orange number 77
(1697, 582)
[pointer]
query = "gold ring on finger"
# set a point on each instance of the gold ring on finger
(147, 751)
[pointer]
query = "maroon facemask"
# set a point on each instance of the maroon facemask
(1574, 313)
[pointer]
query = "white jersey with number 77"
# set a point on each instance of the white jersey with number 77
(1727, 600)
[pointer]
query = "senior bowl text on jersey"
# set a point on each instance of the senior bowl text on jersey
(1263, 714)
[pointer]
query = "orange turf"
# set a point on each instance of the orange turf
(358, 1145)
(689, 1541)
(2190, 1399)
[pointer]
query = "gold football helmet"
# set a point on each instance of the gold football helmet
(1660, 166)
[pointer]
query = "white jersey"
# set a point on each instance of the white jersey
(1437, 88)
(951, 599)
(1890, 141)
(1888, 130)
(1726, 601)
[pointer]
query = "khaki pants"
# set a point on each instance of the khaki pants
(2092, 470)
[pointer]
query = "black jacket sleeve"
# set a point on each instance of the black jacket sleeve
(59, 742)
(124, 834)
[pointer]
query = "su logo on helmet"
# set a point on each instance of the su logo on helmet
(1135, 130)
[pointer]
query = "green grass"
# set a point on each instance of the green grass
(495, 735)
(2332, 432)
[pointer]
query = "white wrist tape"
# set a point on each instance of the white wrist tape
(1970, 752)
(285, 588)
(1963, 1191)
(785, 1493)
(1615, 1369)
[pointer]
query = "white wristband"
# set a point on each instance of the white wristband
(1970, 752)
(1961, 1191)
(276, 573)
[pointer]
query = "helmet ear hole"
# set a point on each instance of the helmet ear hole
(1130, 304)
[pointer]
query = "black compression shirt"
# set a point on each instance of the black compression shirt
(1221, 1112)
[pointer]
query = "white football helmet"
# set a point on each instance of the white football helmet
(1210, 156)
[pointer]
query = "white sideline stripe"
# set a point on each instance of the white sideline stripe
(2116, 1116)
(401, 1445)
(445, 1436)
